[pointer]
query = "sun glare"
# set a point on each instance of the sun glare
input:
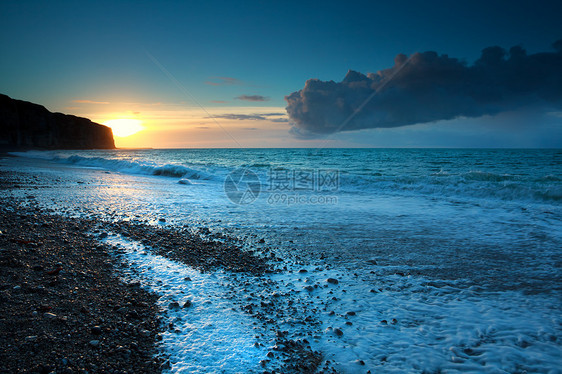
(124, 127)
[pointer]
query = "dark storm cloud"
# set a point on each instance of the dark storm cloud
(428, 87)
(252, 98)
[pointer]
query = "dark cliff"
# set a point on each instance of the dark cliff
(24, 125)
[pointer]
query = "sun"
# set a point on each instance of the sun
(124, 127)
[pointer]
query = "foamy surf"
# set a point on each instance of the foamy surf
(397, 324)
(203, 332)
(464, 265)
(120, 165)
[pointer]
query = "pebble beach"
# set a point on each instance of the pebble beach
(63, 307)
(68, 298)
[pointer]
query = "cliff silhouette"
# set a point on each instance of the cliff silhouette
(25, 125)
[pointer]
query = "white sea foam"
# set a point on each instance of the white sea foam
(410, 324)
(400, 324)
(206, 337)
(120, 165)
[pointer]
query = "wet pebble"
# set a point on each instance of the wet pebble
(145, 333)
(174, 305)
(94, 343)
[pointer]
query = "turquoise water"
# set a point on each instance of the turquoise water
(464, 243)
(474, 212)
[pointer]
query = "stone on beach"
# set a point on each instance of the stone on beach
(55, 271)
(174, 305)
(94, 343)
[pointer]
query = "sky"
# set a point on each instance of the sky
(275, 73)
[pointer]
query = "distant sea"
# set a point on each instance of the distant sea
(447, 259)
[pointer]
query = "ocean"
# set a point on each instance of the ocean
(445, 259)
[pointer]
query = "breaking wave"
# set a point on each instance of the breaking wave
(123, 166)
(354, 177)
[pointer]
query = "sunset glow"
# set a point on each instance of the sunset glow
(281, 186)
(124, 127)
(355, 81)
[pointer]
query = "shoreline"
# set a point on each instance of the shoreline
(260, 301)
(62, 306)
(61, 283)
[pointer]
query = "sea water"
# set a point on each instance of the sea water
(447, 259)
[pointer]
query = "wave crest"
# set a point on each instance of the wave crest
(123, 166)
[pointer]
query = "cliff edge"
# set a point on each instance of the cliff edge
(24, 125)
